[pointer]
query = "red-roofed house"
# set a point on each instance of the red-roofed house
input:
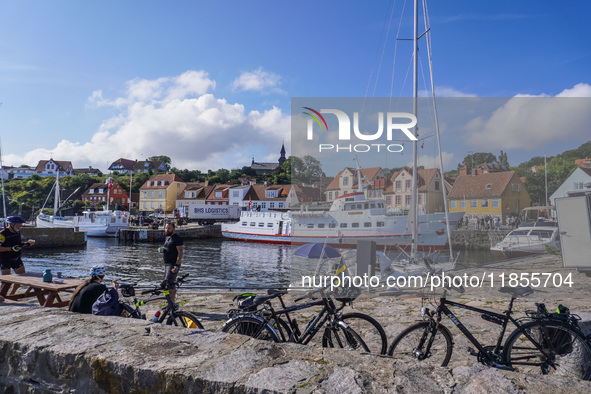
(399, 191)
(160, 193)
(373, 179)
(495, 194)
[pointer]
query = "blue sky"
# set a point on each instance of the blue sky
(210, 83)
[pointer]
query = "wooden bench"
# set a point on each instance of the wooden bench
(47, 293)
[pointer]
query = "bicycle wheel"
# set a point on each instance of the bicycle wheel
(414, 340)
(369, 330)
(251, 326)
(183, 319)
(340, 335)
(566, 351)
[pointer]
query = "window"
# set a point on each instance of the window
(398, 184)
(398, 200)
(518, 187)
(436, 185)
(330, 195)
(252, 224)
(332, 225)
(380, 224)
(407, 200)
(145, 205)
(271, 205)
(420, 199)
(279, 205)
(512, 187)
(495, 203)
(320, 225)
(462, 203)
(452, 204)
(261, 224)
(389, 200)
(269, 224)
(367, 224)
(264, 205)
(473, 203)
(354, 224)
(310, 225)
(407, 184)
(489, 186)
(153, 194)
(578, 185)
(484, 203)
(343, 225)
(159, 194)
(244, 223)
(92, 190)
(345, 180)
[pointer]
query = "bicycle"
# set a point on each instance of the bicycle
(257, 318)
(171, 314)
(542, 344)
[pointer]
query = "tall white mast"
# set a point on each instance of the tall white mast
(56, 200)
(415, 195)
(2, 178)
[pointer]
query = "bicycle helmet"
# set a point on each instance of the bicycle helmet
(15, 219)
(98, 270)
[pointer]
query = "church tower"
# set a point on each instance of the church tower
(282, 158)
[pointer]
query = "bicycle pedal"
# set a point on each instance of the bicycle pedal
(503, 367)
(472, 352)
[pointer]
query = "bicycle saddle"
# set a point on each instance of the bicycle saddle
(517, 291)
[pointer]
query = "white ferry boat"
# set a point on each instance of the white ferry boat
(351, 218)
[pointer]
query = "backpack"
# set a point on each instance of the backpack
(107, 304)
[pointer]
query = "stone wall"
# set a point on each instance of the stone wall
(476, 239)
(53, 237)
(46, 350)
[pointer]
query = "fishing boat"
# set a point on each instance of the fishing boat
(105, 223)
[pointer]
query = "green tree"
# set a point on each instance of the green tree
(475, 159)
(165, 159)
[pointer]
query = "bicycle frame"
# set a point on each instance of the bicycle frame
(165, 296)
(328, 309)
(494, 357)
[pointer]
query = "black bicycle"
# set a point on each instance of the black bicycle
(170, 314)
(541, 343)
(257, 318)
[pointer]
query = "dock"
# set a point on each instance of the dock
(53, 237)
(137, 234)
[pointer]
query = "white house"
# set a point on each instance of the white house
(576, 181)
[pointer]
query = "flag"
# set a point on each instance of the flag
(342, 267)
(110, 183)
(249, 203)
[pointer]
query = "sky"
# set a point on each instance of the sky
(210, 84)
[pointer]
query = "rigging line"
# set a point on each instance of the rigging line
(441, 169)
(396, 49)
(386, 34)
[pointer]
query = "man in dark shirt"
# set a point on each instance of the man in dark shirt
(10, 246)
(173, 254)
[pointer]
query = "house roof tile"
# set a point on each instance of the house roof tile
(474, 186)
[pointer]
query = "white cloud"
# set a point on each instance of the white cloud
(529, 122)
(444, 91)
(178, 117)
(257, 80)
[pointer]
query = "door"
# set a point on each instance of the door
(574, 224)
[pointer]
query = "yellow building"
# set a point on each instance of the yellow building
(495, 194)
(160, 193)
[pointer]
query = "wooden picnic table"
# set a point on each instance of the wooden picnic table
(47, 293)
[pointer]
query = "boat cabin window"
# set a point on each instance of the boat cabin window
(320, 225)
(541, 234)
(244, 223)
(366, 206)
(518, 232)
(332, 225)
(261, 224)
(372, 205)
(310, 225)
(269, 224)
(343, 225)
(252, 224)
(354, 224)
(367, 224)
(380, 224)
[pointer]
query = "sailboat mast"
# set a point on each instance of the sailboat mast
(415, 86)
(56, 200)
(2, 178)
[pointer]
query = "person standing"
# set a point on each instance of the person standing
(173, 254)
(11, 245)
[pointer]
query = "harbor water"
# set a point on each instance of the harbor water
(211, 263)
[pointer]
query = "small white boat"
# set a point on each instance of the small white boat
(531, 237)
